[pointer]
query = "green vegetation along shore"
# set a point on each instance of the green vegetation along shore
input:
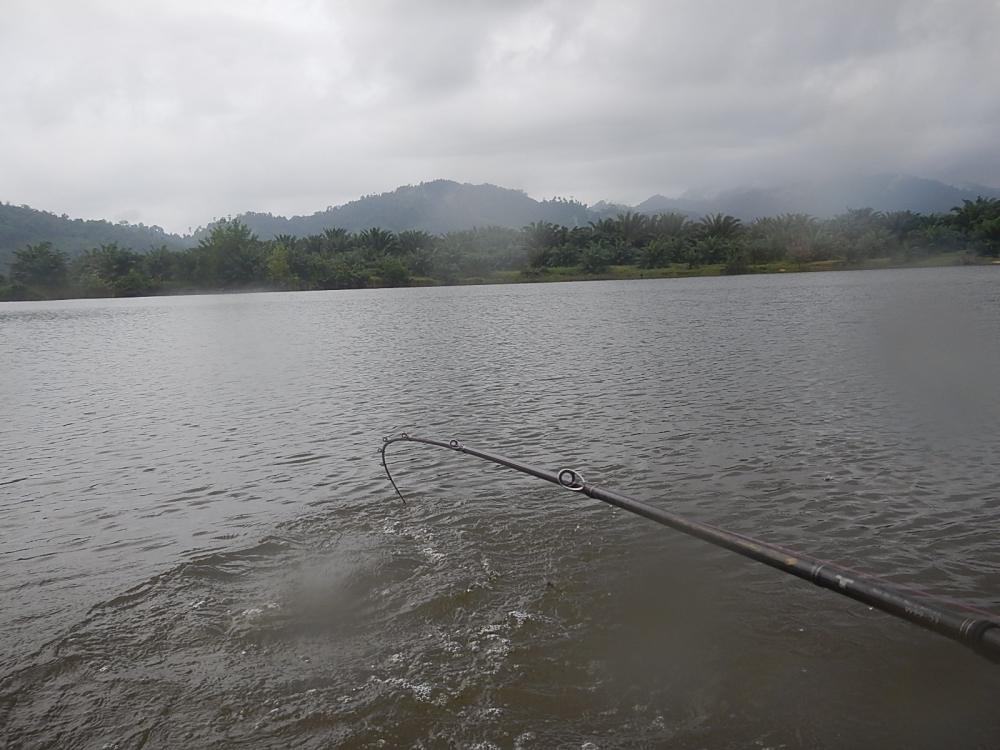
(632, 245)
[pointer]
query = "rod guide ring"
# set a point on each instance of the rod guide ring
(571, 479)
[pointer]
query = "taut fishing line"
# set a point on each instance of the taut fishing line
(977, 629)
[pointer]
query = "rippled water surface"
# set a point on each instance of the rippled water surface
(198, 548)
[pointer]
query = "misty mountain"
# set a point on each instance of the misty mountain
(443, 206)
(609, 210)
(21, 226)
(437, 207)
(824, 199)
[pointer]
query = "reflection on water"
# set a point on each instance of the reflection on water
(199, 548)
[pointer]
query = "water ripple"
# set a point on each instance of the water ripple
(200, 549)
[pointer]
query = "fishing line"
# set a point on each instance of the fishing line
(973, 627)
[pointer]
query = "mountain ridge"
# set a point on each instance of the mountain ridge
(441, 206)
(824, 199)
(437, 206)
(23, 225)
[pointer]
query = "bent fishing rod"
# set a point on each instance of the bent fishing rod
(979, 630)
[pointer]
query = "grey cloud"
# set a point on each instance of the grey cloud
(177, 113)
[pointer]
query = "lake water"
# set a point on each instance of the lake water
(198, 547)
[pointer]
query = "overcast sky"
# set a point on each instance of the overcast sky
(177, 112)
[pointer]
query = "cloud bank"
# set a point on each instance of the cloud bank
(176, 113)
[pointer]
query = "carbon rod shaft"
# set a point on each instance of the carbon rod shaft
(982, 634)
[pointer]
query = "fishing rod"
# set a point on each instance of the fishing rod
(979, 630)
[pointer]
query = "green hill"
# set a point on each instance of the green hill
(437, 207)
(21, 226)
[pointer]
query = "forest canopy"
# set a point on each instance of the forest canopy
(229, 256)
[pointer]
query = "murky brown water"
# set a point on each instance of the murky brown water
(198, 548)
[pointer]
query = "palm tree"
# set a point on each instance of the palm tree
(901, 223)
(796, 222)
(633, 228)
(380, 241)
(971, 213)
(336, 239)
(604, 231)
(39, 265)
(857, 221)
(773, 238)
(543, 235)
(669, 224)
(720, 226)
(412, 240)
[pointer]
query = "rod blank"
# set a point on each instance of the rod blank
(979, 633)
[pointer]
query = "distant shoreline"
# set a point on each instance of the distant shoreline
(679, 271)
(613, 273)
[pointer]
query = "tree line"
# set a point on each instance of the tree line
(231, 257)
(21, 225)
